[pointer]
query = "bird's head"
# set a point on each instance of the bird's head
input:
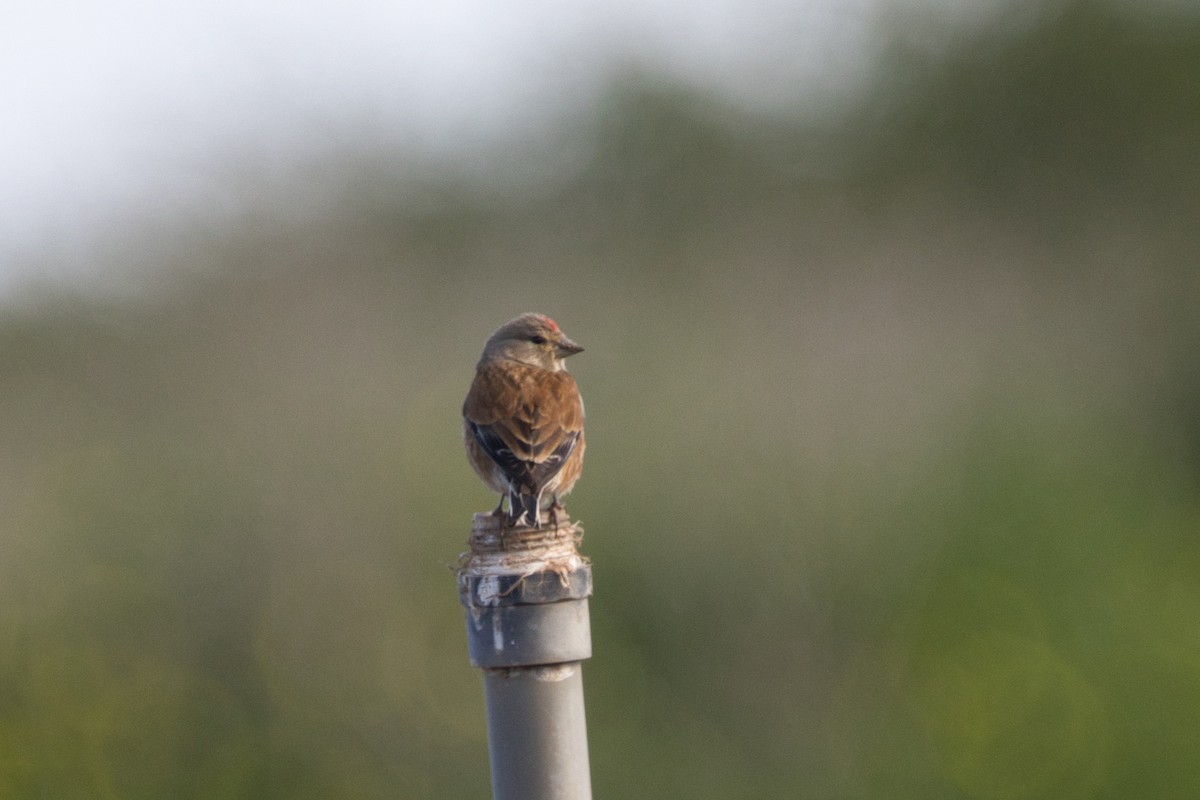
(532, 339)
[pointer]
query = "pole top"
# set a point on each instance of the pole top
(523, 565)
(525, 590)
(489, 534)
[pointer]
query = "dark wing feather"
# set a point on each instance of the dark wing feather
(521, 472)
(553, 463)
(517, 470)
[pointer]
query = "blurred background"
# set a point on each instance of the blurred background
(891, 311)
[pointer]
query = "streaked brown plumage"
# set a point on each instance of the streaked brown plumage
(523, 417)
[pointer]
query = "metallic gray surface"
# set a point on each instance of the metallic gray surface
(537, 733)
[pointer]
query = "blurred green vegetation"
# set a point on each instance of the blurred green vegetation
(893, 483)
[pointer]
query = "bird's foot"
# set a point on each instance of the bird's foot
(556, 509)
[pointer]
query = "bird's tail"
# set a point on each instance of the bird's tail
(524, 508)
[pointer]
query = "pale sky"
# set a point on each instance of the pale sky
(115, 109)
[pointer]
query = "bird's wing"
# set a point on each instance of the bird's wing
(527, 420)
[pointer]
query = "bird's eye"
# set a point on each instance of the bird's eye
(538, 339)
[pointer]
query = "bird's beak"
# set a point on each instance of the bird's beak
(567, 348)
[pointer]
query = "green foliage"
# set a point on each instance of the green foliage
(890, 493)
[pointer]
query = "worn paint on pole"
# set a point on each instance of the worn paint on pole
(526, 596)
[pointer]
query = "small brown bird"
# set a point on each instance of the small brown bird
(523, 417)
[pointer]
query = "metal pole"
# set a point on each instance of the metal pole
(525, 591)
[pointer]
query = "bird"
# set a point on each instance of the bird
(523, 418)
